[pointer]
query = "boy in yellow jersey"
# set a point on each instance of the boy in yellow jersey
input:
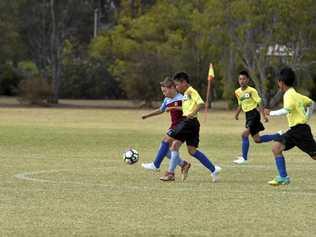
(188, 129)
(249, 102)
(298, 109)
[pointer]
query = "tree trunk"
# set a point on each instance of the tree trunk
(56, 46)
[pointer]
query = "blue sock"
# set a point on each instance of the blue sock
(174, 161)
(204, 160)
(169, 157)
(269, 137)
(162, 152)
(245, 147)
(280, 163)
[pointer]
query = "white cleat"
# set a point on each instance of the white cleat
(215, 173)
(280, 132)
(150, 166)
(240, 160)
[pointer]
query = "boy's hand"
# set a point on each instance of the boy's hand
(236, 116)
(265, 118)
(266, 112)
(144, 117)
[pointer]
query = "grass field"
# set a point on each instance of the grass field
(62, 175)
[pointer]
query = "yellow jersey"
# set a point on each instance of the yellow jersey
(190, 100)
(248, 99)
(296, 104)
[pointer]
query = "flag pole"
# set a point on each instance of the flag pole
(209, 90)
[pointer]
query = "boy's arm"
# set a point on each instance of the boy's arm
(258, 100)
(288, 106)
(199, 103)
(153, 113)
(310, 110)
(261, 109)
(239, 106)
(309, 106)
(237, 112)
(168, 109)
(278, 112)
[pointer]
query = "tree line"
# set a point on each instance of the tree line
(114, 49)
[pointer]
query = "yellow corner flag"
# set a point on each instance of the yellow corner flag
(210, 78)
(211, 74)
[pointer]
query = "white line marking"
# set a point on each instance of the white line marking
(28, 177)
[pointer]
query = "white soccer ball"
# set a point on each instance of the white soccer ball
(130, 156)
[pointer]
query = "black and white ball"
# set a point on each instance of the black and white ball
(130, 156)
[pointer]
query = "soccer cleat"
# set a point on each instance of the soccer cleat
(279, 181)
(169, 176)
(280, 132)
(215, 173)
(240, 160)
(185, 170)
(149, 166)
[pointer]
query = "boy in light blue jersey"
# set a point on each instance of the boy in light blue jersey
(172, 104)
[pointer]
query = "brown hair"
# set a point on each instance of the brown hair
(167, 82)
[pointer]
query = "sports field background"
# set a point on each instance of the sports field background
(62, 175)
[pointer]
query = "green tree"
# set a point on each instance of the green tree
(267, 34)
(47, 25)
(167, 38)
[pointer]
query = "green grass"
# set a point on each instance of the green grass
(62, 175)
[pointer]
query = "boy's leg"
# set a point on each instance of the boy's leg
(181, 162)
(245, 144)
(202, 158)
(192, 141)
(266, 138)
(174, 161)
(254, 126)
(175, 158)
(162, 152)
(205, 161)
(300, 136)
(283, 178)
(305, 141)
(244, 147)
(185, 166)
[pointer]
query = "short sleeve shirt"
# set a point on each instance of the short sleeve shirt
(248, 99)
(295, 103)
(191, 99)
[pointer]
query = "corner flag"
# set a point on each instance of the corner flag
(210, 78)
(211, 74)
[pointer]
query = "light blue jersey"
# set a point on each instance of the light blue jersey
(171, 102)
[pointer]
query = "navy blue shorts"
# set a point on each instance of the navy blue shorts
(300, 136)
(188, 130)
(253, 122)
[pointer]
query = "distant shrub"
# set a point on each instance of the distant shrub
(35, 91)
(28, 67)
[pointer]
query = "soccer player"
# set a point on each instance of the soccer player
(249, 102)
(172, 104)
(188, 129)
(298, 109)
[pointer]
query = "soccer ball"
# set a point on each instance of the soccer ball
(130, 156)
